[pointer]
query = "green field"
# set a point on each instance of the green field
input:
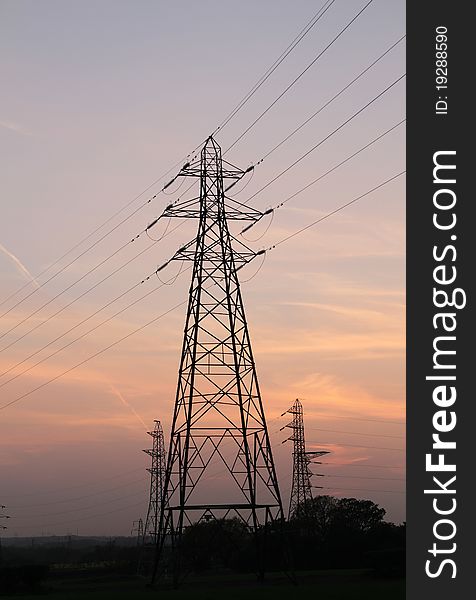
(322, 585)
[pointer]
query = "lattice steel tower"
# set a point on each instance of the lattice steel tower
(138, 529)
(218, 417)
(157, 475)
(301, 490)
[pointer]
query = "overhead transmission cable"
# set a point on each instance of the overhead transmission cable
(90, 289)
(171, 231)
(328, 102)
(94, 328)
(335, 211)
(45, 304)
(227, 119)
(76, 486)
(163, 189)
(85, 496)
(320, 13)
(341, 126)
(74, 510)
(98, 353)
(396, 437)
(93, 245)
(104, 514)
(311, 150)
(359, 446)
(154, 320)
(359, 477)
(328, 172)
(331, 464)
(276, 100)
(68, 265)
(157, 219)
(389, 421)
(347, 418)
(363, 490)
(333, 132)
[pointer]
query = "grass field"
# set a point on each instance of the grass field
(322, 585)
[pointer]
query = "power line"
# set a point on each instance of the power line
(397, 437)
(83, 335)
(44, 305)
(72, 487)
(342, 31)
(314, 181)
(303, 156)
(320, 13)
(326, 104)
(390, 421)
(104, 514)
(380, 478)
(246, 98)
(359, 446)
(91, 357)
(84, 275)
(83, 497)
(340, 208)
(93, 245)
(331, 416)
(89, 235)
(373, 141)
(326, 216)
(180, 304)
(363, 490)
(269, 183)
(69, 330)
(281, 241)
(71, 510)
(69, 304)
(74, 301)
(63, 290)
(332, 464)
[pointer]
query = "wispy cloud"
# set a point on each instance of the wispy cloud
(15, 127)
(19, 265)
(118, 394)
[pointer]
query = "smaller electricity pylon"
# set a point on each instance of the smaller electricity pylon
(138, 529)
(150, 530)
(301, 490)
(157, 474)
(2, 516)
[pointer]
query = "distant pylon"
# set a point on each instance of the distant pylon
(138, 529)
(2, 516)
(157, 475)
(301, 490)
(218, 417)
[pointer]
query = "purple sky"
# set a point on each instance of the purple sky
(101, 98)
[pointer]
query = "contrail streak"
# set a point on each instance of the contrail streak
(19, 265)
(117, 393)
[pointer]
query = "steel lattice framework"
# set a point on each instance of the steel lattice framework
(157, 475)
(138, 528)
(218, 416)
(301, 490)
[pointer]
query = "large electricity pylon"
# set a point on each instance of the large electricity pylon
(218, 419)
(301, 490)
(157, 475)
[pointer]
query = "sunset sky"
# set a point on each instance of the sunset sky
(99, 100)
